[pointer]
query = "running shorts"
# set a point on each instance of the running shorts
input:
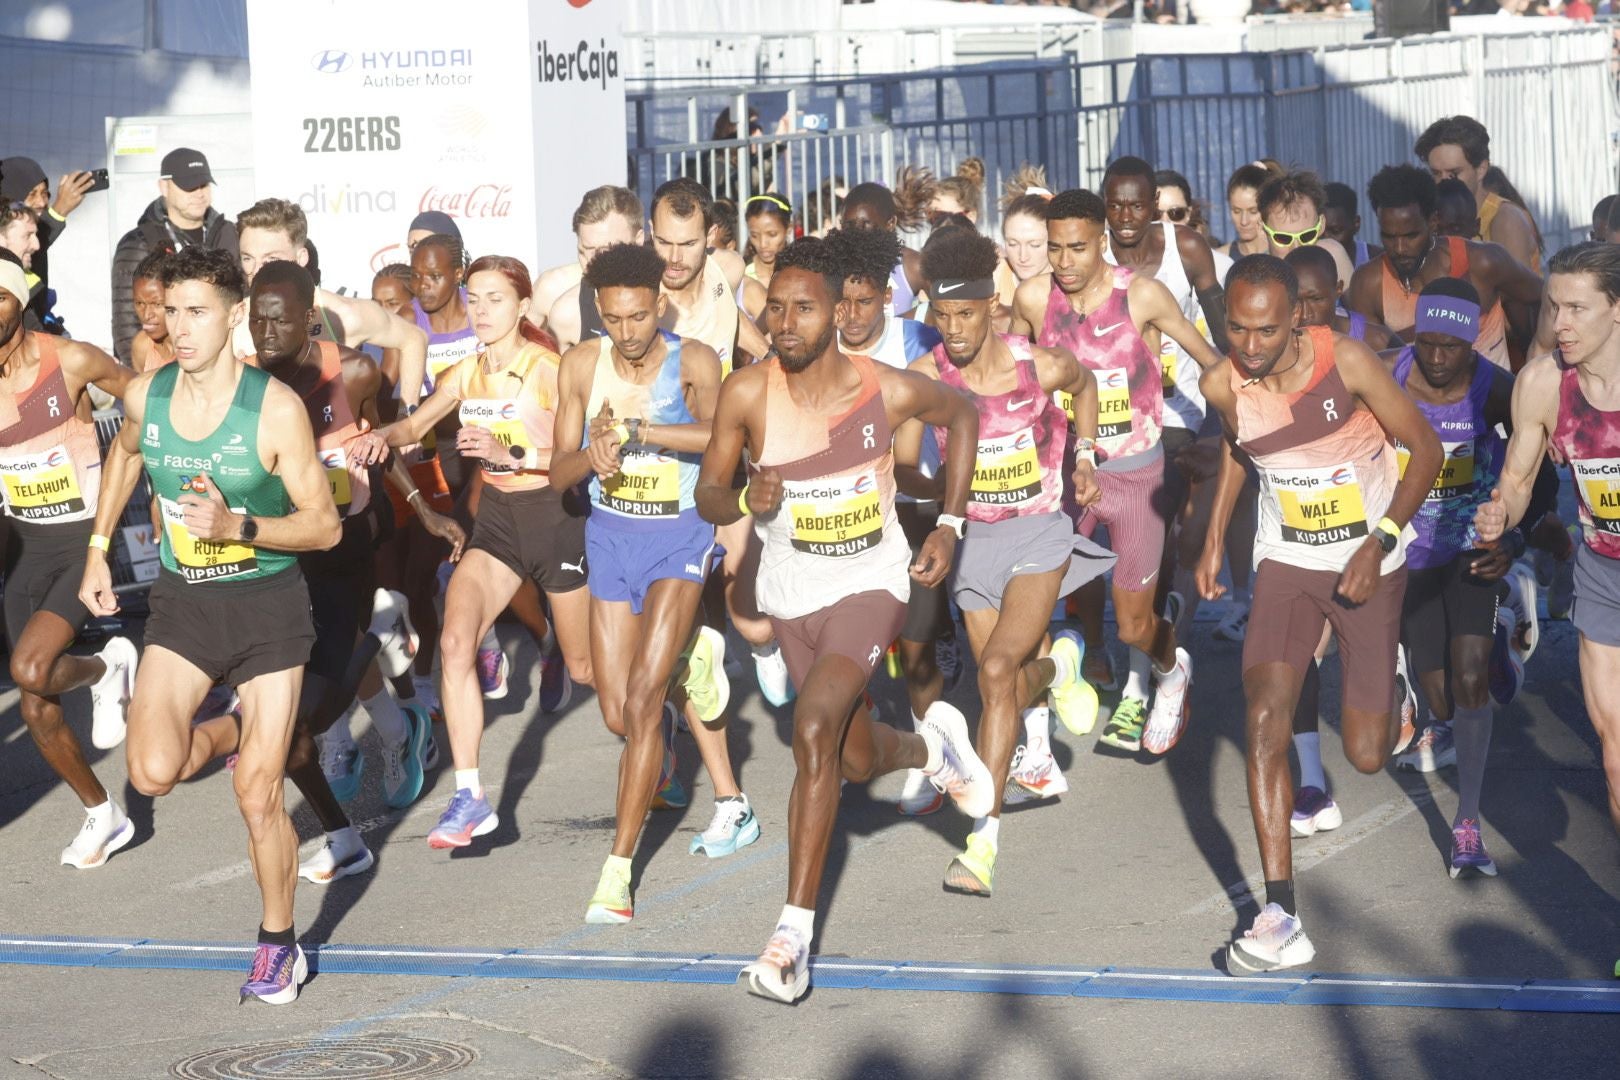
(991, 554)
(44, 566)
(539, 534)
(429, 478)
(233, 633)
(928, 614)
(1285, 625)
(1597, 597)
(859, 627)
(1131, 509)
(342, 583)
(625, 562)
(1442, 603)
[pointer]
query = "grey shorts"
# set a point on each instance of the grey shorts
(991, 555)
(1597, 597)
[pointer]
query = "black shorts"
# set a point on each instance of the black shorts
(1442, 603)
(928, 614)
(539, 534)
(44, 565)
(342, 581)
(234, 632)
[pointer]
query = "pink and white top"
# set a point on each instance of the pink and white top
(1589, 439)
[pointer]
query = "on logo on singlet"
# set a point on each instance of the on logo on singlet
(1599, 483)
(1007, 471)
(837, 516)
(1318, 506)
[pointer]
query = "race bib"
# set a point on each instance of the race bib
(1456, 470)
(1064, 400)
(1598, 480)
(1318, 506)
(203, 560)
(42, 487)
(1113, 406)
(502, 420)
(1167, 360)
(648, 485)
(1007, 471)
(336, 463)
(838, 516)
(445, 355)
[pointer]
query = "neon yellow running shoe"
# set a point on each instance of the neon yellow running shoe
(707, 686)
(612, 903)
(971, 872)
(1074, 700)
(1124, 730)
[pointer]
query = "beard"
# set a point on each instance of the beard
(798, 359)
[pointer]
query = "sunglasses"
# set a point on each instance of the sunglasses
(1304, 238)
(1178, 214)
(773, 200)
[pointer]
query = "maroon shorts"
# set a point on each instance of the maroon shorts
(1136, 523)
(860, 627)
(1289, 608)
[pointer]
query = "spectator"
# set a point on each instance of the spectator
(181, 216)
(23, 181)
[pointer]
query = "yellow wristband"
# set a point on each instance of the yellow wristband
(623, 432)
(99, 542)
(742, 501)
(1389, 526)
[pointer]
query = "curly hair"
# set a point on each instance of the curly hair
(1395, 186)
(625, 266)
(866, 254)
(211, 266)
(913, 191)
(818, 256)
(1077, 203)
(1264, 269)
(283, 272)
(959, 252)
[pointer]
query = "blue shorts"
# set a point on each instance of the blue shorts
(625, 562)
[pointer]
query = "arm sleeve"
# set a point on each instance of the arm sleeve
(125, 323)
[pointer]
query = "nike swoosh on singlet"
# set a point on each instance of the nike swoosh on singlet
(1099, 331)
(1014, 406)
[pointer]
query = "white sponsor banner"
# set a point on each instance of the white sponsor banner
(367, 113)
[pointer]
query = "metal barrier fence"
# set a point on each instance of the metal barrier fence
(1548, 99)
(137, 515)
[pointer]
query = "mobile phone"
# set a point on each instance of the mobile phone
(99, 181)
(815, 122)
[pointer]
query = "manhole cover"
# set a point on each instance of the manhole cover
(384, 1057)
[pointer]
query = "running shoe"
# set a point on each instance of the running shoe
(972, 871)
(556, 687)
(611, 904)
(1034, 775)
(493, 667)
(427, 696)
(1074, 700)
(948, 658)
(782, 972)
(733, 826)
(467, 816)
(961, 774)
(396, 638)
(671, 793)
(342, 764)
(278, 972)
(918, 796)
(1505, 672)
(1124, 728)
(706, 684)
(335, 861)
(110, 694)
(404, 762)
(1172, 707)
(1406, 698)
(1433, 750)
(1468, 853)
(1275, 940)
(1521, 599)
(772, 672)
(101, 835)
(1314, 812)
(1235, 625)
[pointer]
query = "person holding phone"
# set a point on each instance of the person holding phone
(23, 181)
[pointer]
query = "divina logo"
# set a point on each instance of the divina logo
(581, 64)
(322, 199)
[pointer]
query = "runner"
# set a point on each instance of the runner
(873, 206)
(1387, 288)
(230, 604)
(1314, 411)
(960, 193)
(391, 287)
(1292, 215)
(1113, 320)
(430, 223)
(1319, 293)
(1243, 205)
(339, 387)
(770, 229)
(633, 414)
(1455, 212)
(1021, 553)
(525, 528)
(1459, 148)
(1341, 222)
(817, 428)
(1023, 232)
(151, 346)
(50, 465)
(606, 216)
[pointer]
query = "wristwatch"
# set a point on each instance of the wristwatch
(1385, 538)
(250, 529)
(633, 425)
(957, 525)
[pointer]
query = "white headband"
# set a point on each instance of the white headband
(13, 280)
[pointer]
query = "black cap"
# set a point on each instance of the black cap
(435, 221)
(187, 168)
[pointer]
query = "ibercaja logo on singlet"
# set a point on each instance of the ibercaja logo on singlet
(835, 516)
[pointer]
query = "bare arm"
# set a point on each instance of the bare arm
(564, 320)
(1514, 280)
(570, 459)
(1512, 230)
(368, 322)
(1199, 261)
(409, 430)
(1153, 305)
(909, 395)
(741, 395)
(908, 444)
(286, 438)
(1535, 415)
(119, 475)
(90, 366)
(1029, 305)
(1365, 294)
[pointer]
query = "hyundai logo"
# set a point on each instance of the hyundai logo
(331, 61)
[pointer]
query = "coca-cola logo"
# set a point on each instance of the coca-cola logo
(477, 201)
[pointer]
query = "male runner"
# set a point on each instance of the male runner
(1455, 211)
(151, 346)
(1293, 214)
(1319, 293)
(1315, 412)
(1021, 553)
(230, 604)
(633, 414)
(1341, 222)
(1459, 148)
(1386, 289)
(50, 469)
(872, 206)
(1113, 320)
(818, 427)
(606, 216)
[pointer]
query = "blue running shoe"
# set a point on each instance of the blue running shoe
(467, 816)
(733, 826)
(403, 764)
(342, 765)
(278, 971)
(1468, 853)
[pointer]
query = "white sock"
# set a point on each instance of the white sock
(1308, 745)
(344, 839)
(387, 717)
(801, 919)
(339, 731)
(468, 779)
(1136, 683)
(987, 827)
(1173, 678)
(1037, 725)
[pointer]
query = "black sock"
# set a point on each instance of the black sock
(284, 938)
(1280, 893)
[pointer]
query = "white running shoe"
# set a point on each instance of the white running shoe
(391, 626)
(101, 835)
(782, 972)
(919, 796)
(772, 672)
(339, 859)
(1167, 720)
(110, 695)
(1521, 600)
(961, 774)
(1276, 940)
(1034, 775)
